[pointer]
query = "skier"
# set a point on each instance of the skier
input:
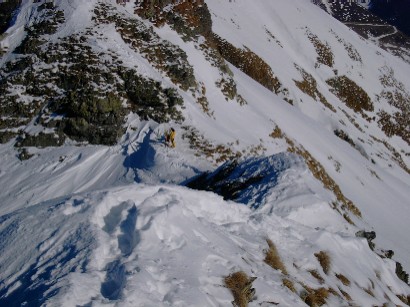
(170, 137)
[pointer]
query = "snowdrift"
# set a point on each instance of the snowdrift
(166, 245)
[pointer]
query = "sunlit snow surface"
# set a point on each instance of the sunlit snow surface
(166, 245)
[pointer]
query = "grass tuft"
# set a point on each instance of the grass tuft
(343, 279)
(351, 94)
(309, 86)
(272, 258)
(317, 275)
(289, 284)
(315, 297)
(320, 173)
(346, 295)
(241, 287)
(324, 260)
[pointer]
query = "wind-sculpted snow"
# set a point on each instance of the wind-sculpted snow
(92, 225)
(165, 245)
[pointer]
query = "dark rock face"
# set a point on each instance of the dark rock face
(369, 236)
(7, 12)
(88, 94)
(376, 23)
(395, 12)
(401, 273)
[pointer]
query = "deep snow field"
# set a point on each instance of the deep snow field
(85, 225)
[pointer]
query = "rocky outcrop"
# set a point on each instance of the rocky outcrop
(370, 236)
(370, 25)
(189, 18)
(7, 12)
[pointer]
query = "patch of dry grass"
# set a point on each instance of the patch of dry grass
(343, 279)
(350, 93)
(395, 155)
(351, 50)
(218, 153)
(405, 299)
(309, 86)
(324, 52)
(315, 297)
(369, 291)
(346, 295)
(250, 63)
(276, 133)
(324, 260)
(241, 288)
(317, 275)
(289, 284)
(320, 173)
(272, 258)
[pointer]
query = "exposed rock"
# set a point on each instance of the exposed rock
(24, 154)
(41, 140)
(7, 12)
(401, 273)
(369, 25)
(369, 236)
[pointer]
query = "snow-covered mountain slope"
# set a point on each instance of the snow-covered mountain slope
(169, 246)
(91, 211)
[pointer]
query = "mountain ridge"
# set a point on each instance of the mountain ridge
(89, 89)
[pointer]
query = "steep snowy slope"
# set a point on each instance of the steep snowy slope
(169, 246)
(90, 211)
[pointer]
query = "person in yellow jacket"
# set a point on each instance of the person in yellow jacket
(170, 137)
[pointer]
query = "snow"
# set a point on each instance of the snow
(172, 244)
(97, 225)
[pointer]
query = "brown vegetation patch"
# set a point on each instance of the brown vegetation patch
(218, 153)
(351, 50)
(317, 275)
(188, 18)
(228, 88)
(348, 219)
(204, 103)
(315, 297)
(289, 284)
(395, 93)
(272, 258)
(343, 279)
(350, 93)
(272, 37)
(405, 299)
(309, 86)
(324, 260)
(241, 287)
(346, 295)
(344, 136)
(276, 133)
(324, 52)
(368, 291)
(250, 63)
(226, 82)
(352, 120)
(320, 173)
(395, 155)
